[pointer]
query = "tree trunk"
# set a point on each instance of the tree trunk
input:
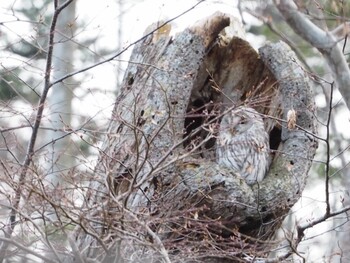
(158, 194)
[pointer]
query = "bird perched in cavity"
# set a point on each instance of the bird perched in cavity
(243, 144)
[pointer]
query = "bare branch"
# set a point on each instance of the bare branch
(126, 48)
(324, 41)
(25, 248)
(35, 129)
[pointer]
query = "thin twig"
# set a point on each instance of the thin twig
(35, 129)
(124, 49)
(26, 249)
(328, 151)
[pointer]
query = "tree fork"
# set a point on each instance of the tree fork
(147, 167)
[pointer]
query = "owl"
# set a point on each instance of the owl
(243, 144)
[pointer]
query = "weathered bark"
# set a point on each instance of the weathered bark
(153, 179)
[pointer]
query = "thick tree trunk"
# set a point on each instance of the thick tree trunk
(157, 195)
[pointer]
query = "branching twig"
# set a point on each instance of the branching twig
(25, 248)
(35, 129)
(324, 41)
(124, 49)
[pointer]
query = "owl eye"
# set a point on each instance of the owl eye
(243, 121)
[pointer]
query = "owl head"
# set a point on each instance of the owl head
(241, 120)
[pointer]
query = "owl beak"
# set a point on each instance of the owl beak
(233, 131)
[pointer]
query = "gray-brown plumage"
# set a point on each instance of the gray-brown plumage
(243, 144)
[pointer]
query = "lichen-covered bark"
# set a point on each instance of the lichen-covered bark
(181, 196)
(288, 174)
